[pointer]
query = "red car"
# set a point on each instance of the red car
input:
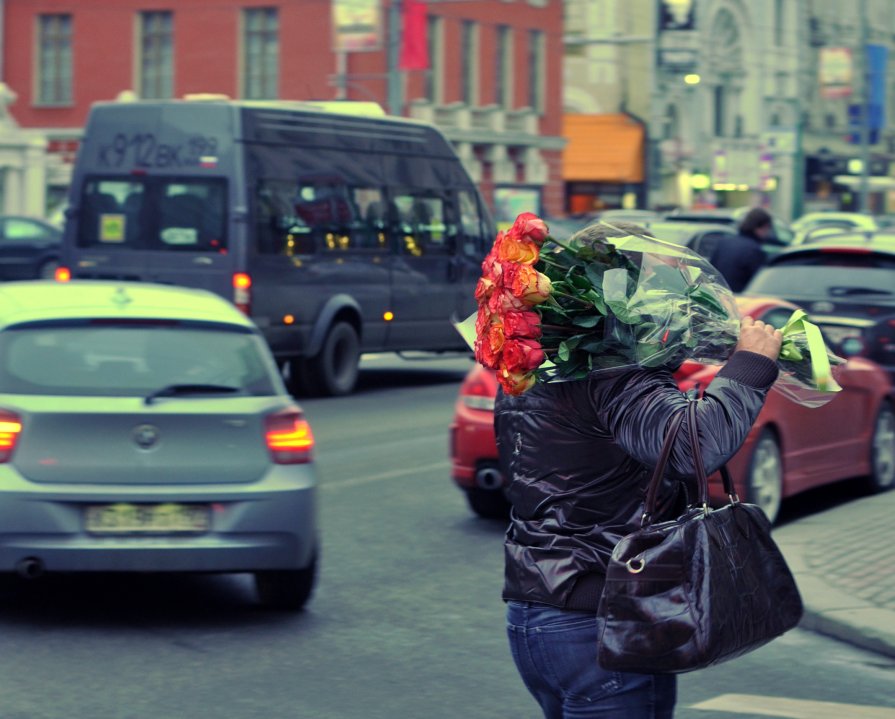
(790, 449)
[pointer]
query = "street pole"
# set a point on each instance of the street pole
(395, 90)
(864, 196)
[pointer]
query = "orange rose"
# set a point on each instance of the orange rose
(521, 324)
(531, 227)
(515, 383)
(484, 289)
(529, 285)
(517, 249)
(521, 355)
(489, 345)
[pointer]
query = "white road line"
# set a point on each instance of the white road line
(792, 708)
(357, 481)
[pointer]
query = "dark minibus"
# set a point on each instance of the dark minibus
(337, 233)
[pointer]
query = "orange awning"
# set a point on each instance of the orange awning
(602, 148)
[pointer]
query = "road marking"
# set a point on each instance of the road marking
(357, 481)
(792, 708)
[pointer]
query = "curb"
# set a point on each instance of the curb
(830, 610)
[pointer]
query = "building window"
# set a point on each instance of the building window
(536, 70)
(720, 111)
(435, 75)
(469, 60)
(261, 54)
(503, 67)
(156, 55)
(55, 60)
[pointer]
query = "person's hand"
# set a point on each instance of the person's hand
(758, 337)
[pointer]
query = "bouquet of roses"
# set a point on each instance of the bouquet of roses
(608, 298)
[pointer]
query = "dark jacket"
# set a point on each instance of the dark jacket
(578, 457)
(738, 258)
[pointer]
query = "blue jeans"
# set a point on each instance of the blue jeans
(556, 653)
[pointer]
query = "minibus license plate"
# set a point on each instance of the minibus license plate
(167, 518)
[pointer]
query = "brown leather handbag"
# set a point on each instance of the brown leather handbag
(698, 590)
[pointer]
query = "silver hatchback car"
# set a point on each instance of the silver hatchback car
(146, 428)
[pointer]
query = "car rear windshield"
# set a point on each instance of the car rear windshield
(140, 213)
(122, 360)
(827, 274)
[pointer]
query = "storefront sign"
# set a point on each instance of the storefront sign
(836, 72)
(357, 25)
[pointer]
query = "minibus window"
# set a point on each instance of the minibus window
(192, 216)
(110, 213)
(422, 225)
(278, 227)
(471, 223)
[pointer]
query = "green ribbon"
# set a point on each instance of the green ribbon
(817, 349)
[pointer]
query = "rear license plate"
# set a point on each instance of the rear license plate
(168, 518)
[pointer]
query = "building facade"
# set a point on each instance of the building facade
(492, 82)
(742, 102)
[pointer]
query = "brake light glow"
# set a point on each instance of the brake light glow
(63, 274)
(476, 394)
(242, 291)
(289, 437)
(10, 429)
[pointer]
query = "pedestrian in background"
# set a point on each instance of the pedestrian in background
(739, 257)
(579, 456)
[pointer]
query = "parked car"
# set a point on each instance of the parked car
(847, 283)
(731, 217)
(806, 226)
(791, 448)
(700, 237)
(29, 248)
(636, 216)
(146, 428)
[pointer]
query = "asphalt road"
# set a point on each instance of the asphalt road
(406, 622)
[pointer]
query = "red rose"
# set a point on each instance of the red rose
(482, 320)
(521, 325)
(522, 355)
(504, 301)
(531, 227)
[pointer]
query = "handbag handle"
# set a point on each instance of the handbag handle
(652, 492)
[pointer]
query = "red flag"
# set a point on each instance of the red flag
(414, 44)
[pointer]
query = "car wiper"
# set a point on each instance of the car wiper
(181, 390)
(845, 291)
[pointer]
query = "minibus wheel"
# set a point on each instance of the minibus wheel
(333, 371)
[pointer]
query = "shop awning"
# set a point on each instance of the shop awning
(602, 148)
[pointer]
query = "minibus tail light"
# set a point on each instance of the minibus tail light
(289, 437)
(10, 429)
(62, 274)
(242, 292)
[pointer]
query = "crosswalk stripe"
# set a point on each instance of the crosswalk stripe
(792, 708)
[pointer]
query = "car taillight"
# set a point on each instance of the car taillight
(242, 291)
(476, 394)
(10, 429)
(289, 437)
(62, 274)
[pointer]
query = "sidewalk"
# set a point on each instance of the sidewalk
(843, 560)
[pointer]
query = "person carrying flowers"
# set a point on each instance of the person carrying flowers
(584, 336)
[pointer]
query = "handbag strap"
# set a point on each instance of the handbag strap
(652, 492)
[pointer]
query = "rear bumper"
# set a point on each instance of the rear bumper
(270, 525)
(472, 445)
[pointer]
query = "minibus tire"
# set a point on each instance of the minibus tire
(333, 371)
